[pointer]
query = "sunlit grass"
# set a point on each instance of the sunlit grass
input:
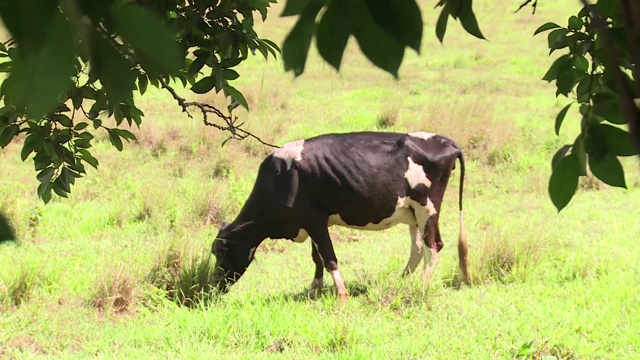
(106, 272)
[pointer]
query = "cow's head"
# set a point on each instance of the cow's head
(233, 256)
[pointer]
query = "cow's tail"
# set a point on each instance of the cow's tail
(462, 239)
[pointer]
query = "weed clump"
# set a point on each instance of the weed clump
(185, 280)
(18, 289)
(116, 291)
(387, 120)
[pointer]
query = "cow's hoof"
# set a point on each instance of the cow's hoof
(314, 293)
(343, 297)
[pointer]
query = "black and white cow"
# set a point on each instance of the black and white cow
(366, 180)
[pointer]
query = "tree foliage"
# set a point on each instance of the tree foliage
(87, 56)
(598, 72)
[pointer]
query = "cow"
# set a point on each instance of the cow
(363, 180)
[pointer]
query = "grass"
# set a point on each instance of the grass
(107, 273)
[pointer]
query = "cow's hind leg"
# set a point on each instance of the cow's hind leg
(431, 253)
(317, 283)
(426, 216)
(321, 240)
(417, 247)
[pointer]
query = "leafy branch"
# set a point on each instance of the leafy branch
(231, 122)
(590, 73)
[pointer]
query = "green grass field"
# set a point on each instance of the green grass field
(94, 276)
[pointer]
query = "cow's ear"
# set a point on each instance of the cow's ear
(224, 225)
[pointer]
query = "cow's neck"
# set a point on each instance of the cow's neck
(249, 233)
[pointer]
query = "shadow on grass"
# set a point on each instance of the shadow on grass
(355, 289)
(7, 233)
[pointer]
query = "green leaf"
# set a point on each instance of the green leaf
(143, 83)
(86, 156)
(333, 32)
(7, 134)
(125, 134)
(565, 82)
(596, 142)
(559, 155)
(63, 181)
(271, 44)
(608, 169)
(5, 67)
(441, 25)
(63, 120)
(204, 85)
(45, 175)
(229, 62)
(581, 63)
(40, 79)
(114, 71)
(575, 23)
(236, 95)
(560, 117)
(29, 145)
(579, 151)
(44, 192)
(296, 45)
(608, 107)
(468, 19)
(115, 139)
(399, 19)
(230, 74)
(545, 27)
(381, 49)
(560, 65)
(197, 65)
(607, 8)
(619, 140)
(294, 7)
(557, 39)
(150, 37)
(583, 91)
(58, 188)
(564, 181)
(76, 98)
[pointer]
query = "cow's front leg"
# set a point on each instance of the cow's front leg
(316, 284)
(321, 240)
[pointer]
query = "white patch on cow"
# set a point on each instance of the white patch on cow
(430, 261)
(251, 252)
(415, 175)
(290, 152)
(417, 246)
(340, 288)
(401, 215)
(431, 208)
(301, 237)
(422, 135)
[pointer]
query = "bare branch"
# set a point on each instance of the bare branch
(231, 123)
(527, 2)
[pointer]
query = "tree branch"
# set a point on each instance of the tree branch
(627, 94)
(231, 123)
(534, 5)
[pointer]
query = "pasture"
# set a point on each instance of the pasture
(94, 276)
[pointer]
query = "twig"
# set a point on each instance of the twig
(535, 3)
(231, 123)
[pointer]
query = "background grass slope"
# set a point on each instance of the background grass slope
(89, 275)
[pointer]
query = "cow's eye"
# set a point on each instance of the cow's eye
(219, 247)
